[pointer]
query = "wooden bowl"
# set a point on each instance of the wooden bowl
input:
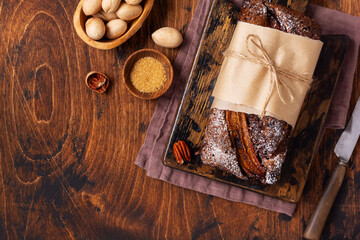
(147, 53)
(97, 81)
(105, 44)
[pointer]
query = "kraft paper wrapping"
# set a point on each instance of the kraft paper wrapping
(243, 85)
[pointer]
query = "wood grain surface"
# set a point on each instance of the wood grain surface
(67, 154)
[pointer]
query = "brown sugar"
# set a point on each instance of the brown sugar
(148, 75)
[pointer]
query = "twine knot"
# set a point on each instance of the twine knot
(258, 55)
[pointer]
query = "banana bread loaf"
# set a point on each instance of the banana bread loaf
(247, 145)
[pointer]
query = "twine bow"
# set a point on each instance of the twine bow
(261, 57)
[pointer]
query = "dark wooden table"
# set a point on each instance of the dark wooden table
(67, 154)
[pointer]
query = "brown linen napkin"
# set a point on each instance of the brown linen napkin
(337, 23)
(151, 153)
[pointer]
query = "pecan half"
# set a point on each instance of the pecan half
(181, 152)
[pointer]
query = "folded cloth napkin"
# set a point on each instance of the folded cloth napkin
(151, 153)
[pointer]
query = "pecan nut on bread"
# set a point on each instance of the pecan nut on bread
(247, 145)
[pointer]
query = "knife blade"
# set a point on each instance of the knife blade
(350, 136)
(343, 150)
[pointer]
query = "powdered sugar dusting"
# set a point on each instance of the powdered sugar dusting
(268, 136)
(217, 150)
(273, 168)
(275, 132)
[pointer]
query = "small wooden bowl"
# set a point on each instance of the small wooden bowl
(97, 81)
(147, 53)
(105, 44)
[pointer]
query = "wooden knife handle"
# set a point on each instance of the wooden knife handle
(322, 210)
